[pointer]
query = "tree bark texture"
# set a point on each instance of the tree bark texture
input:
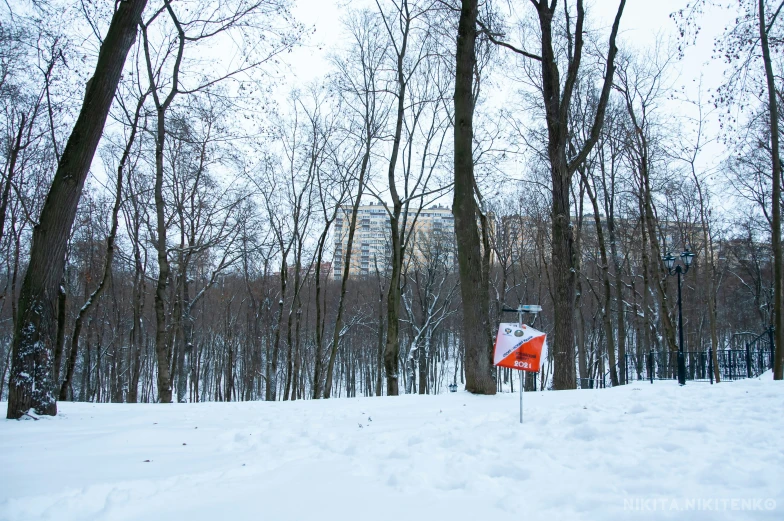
(31, 382)
(480, 377)
(557, 100)
(773, 118)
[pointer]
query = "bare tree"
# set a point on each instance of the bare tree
(31, 383)
(746, 46)
(134, 122)
(640, 84)
(360, 87)
(473, 287)
(419, 128)
(557, 101)
(428, 301)
(192, 27)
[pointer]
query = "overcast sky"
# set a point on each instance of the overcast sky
(642, 21)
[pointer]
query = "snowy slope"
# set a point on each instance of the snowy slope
(636, 452)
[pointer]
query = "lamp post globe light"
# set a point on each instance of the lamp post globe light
(673, 269)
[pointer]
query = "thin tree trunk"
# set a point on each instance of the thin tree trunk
(60, 339)
(347, 266)
(605, 270)
(650, 222)
(318, 362)
(646, 288)
(186, 348)
(13, 156)
(272, 378)
(578, 266)
(621, 306)
(109, 258)
(423, 352)
(397, 232)
(709, 278)
(380, 348)
(161, 344)
(293, 310)
(295, 388)
(392, 347)
(135, 338)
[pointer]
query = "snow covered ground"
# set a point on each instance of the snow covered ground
(636, 452)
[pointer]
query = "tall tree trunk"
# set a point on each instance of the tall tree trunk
(557, 101)
(773, 118)
(31, 383)
(397, 226)
(162, 339)
(564, 276)
(480, 377)
(161, 344)
(392, 347)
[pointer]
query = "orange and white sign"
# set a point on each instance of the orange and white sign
(519, 347)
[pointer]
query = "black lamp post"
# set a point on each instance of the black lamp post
(672, 269)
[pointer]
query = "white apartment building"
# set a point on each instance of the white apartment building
(371, 237)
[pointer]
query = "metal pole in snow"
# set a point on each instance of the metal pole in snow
(520, 319)
(521, 396)
(520, 310)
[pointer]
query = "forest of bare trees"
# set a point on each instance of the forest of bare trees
(171, 198)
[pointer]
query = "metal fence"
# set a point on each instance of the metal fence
(733, 364)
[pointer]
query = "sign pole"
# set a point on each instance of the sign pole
(521, 396)
(520, 322)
